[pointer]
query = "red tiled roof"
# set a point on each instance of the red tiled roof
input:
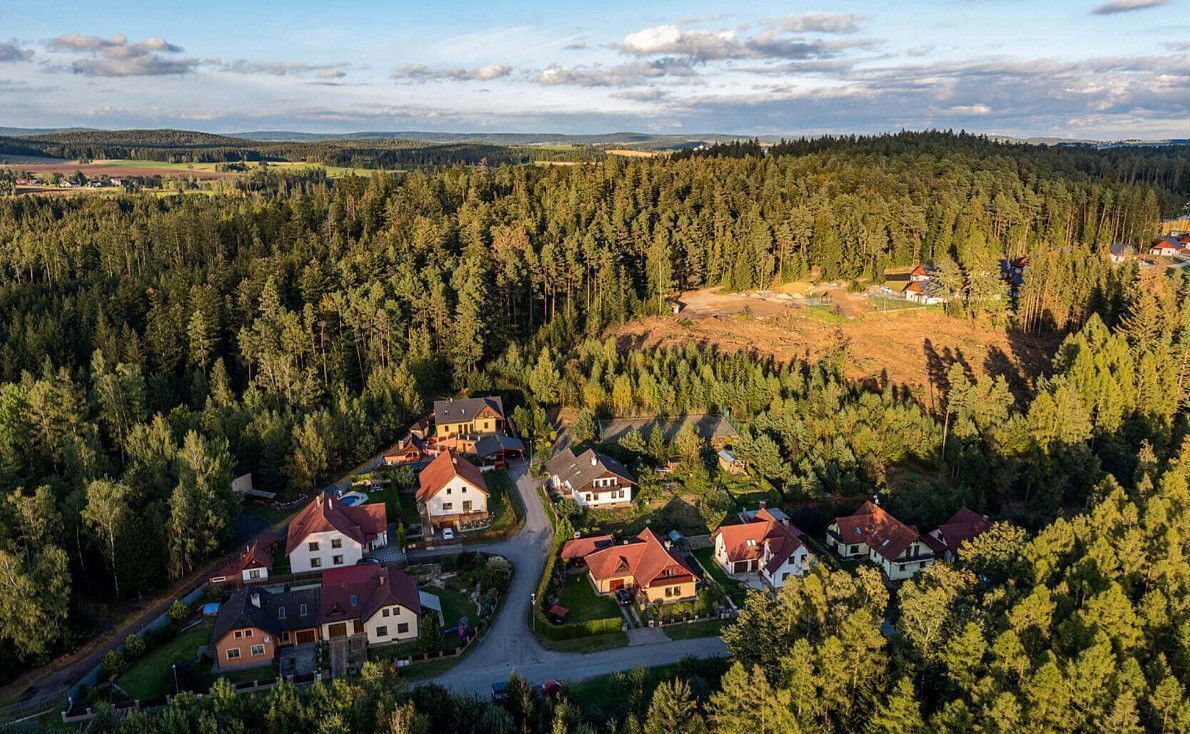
(879, 530)
(764, 530)
(361, 523)
(913, 287)
(583, 547)
(257, 555)
(960, 528)
(444, 468)
(372, 588)
(644, 558)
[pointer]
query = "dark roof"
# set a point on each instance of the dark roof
(877, 529)
(442, 469)
(960, 528)
(460, 411)
(358, 592)
(492, 443)
(361, 523)
(260, 608)
(580, 471)
(257, 555)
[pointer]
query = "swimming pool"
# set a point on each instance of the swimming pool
(353, 498)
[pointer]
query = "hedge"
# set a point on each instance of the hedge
(572, 630)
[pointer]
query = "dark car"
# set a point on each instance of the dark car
(623, 597)
(500, 691)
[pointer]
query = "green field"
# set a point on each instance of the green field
(582, 601)
(151, 677)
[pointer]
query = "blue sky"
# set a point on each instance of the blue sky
(1095, 69)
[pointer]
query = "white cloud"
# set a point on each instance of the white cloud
(11, 52)
(707, 46)
(819, 23)
(116, 57)
(422, 73)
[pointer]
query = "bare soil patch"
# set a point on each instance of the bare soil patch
(912, 347)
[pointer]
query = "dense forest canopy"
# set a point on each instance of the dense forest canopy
(152, 346)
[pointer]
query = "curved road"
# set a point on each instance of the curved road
(509, 645)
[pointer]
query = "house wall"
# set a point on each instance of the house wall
(685, 592)
(602, 496)
(301, 558)
(900, 570)
(291, 637)
(844, 549)
(353, 627)
(250, 636)
(397, 615)
(795, 566)
(259, 573)
(606, 586)
(482, 424)
(455, 493)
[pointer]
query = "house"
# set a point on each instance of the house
(328, 533)
(251, 564)
(644, 565)
(493, 449)
(922, 273)
(592, 479)
(729, 463)
(410, 449)
(451, 493)
(471, 415)
(947, 538)
(876, 535)
(378, 602)
(1121, 252)
(253, 623)
(767, 545)
(575, 551)
(925, 292)
(1167, 246)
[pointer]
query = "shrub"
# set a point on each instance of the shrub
(179, 612)
(578, 629)
(112, 665)
(134, 647)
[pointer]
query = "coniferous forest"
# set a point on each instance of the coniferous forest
(154, 346)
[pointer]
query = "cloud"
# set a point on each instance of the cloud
(648, 94)
(1126, 6)
(116, 57)
(11, 52)
(419, 73)
(818, 23)
(708, 46)
(243, 66)
(619, 75)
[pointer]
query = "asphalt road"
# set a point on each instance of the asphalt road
(510, 646)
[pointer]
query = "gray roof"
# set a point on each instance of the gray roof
(241, 611)
(580, 471)
(458, 411)
(490, 443)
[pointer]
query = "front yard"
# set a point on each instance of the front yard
(583, 603)
(734, 589)
(151, 677)
(455, 605)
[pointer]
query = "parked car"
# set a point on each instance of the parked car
(500, 691)
(552, 687)
(448, 534)
(624, 597)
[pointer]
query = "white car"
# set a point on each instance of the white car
(448, 534)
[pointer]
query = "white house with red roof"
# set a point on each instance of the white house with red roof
(766, 547)
(452, 492)
(378, 602)
(253, 563)
(876, 535)
(329, 533)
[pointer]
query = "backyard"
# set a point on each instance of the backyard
(734, 589)
(150, 677)
(455, 605)
(583, 603)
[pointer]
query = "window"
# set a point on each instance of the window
(447, 506)
(587, 497)
(312, 546)
(303, 610)
(254, 573)
(337, 560)
(247, 633)
(751, 542)
(467, 506)
(336, 542)
(384, 612)
(402, 628)
(354, 600)
(280, 612)
(463, 490)
(671, 591)
(382, 631)
(448, 490)
(239, 634)
(315, 562)
(233, 653)
(257, 650)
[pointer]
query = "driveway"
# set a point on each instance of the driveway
(509, 645)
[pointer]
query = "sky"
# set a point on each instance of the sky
(1086, 69)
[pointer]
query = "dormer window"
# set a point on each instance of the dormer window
(751, 542)
(303, 610)
(280, 612)
(354, 600)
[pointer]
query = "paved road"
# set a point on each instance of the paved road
(509, 645)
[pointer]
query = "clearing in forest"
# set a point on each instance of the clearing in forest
(909, 346)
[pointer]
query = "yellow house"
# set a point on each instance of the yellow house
(644, 565)
(453, 418)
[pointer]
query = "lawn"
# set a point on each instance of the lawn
(151, 677)
(734, 589)
(504, 507)
(398, 507)
(455, 605)
(582, 601)
(708, 628)
(748, 491)
(609, 696)
(593, 643)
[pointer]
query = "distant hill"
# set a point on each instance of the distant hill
(602, 139)
(163, 138)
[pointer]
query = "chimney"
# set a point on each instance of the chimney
(255, 598)
(763, 504)
(594, 461)
(577, 535)
(668, 544)
(381, 577)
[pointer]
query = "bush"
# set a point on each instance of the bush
(134, 647)
(112, 665)
(179, 612)
(572, 630)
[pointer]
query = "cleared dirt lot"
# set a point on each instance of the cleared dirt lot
(912, 347)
